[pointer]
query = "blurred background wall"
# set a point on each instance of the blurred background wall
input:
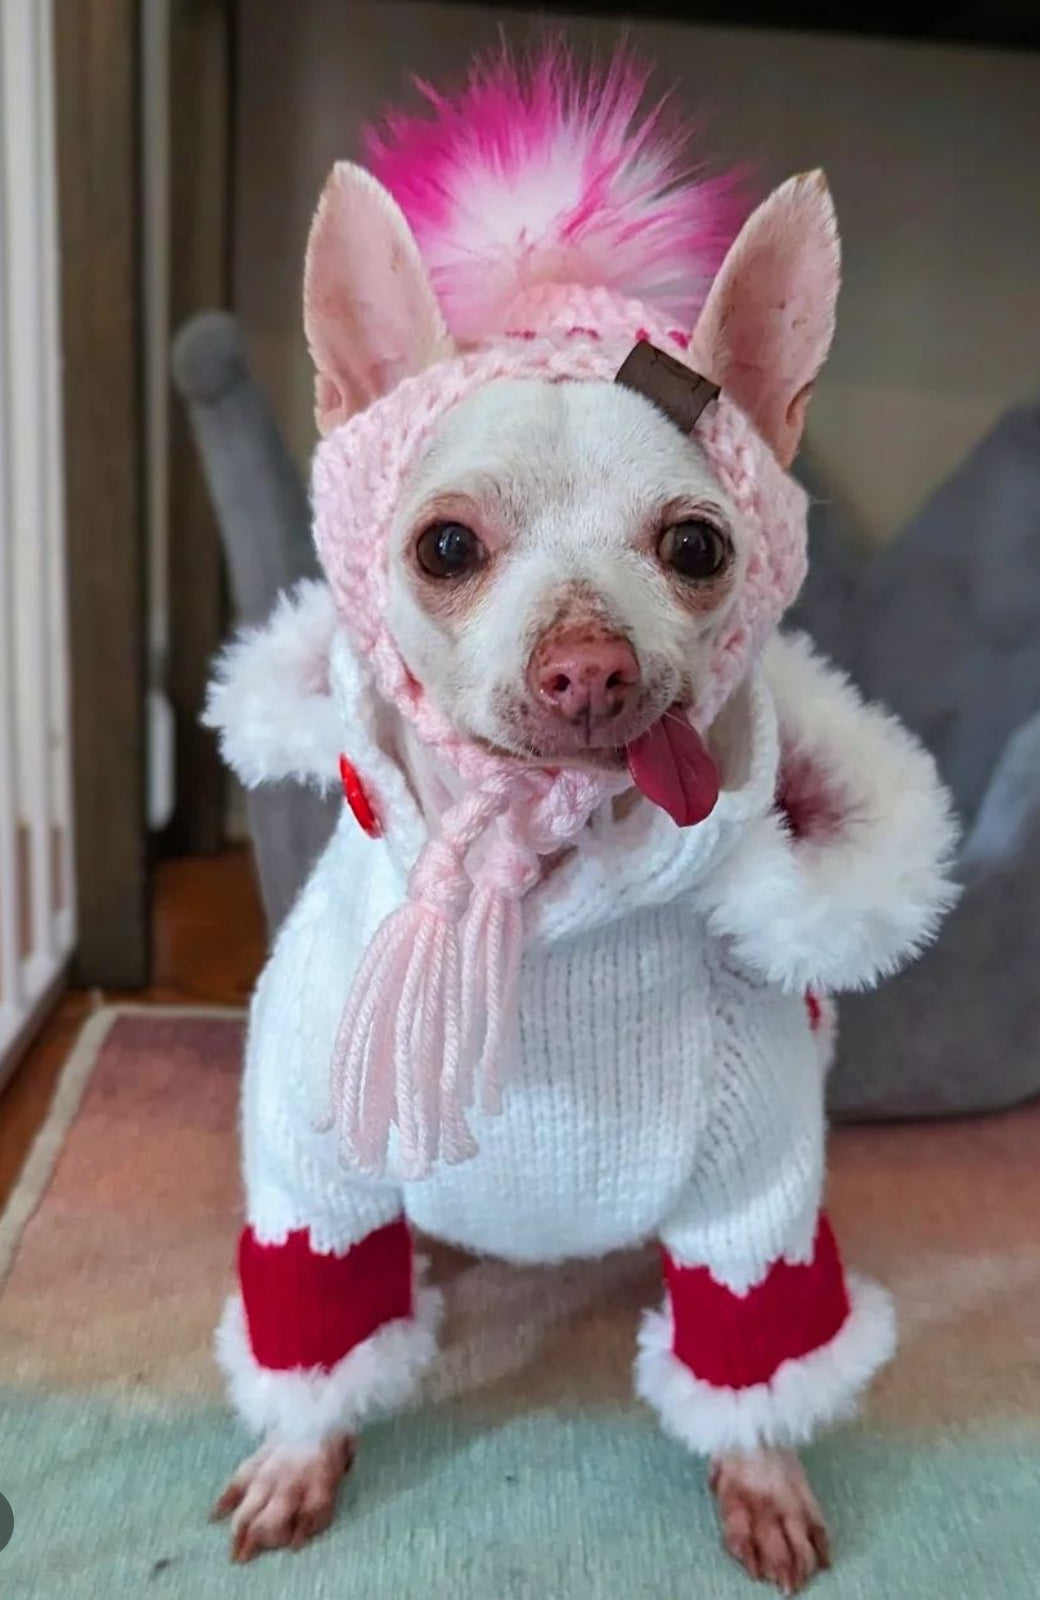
(930, 151)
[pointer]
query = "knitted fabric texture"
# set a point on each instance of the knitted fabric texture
(736, 1341)
(306, 1309)
(422, 1032)
(660, 1086)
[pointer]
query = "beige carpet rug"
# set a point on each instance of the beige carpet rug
(529, 1473)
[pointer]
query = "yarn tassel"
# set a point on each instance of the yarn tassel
(430, 1119)
(376, 1105)
(427, 1022)
(492, 948)
(399, 1038)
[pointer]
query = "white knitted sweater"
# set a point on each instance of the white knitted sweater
(666, 1079)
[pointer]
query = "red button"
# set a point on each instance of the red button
(358, 800)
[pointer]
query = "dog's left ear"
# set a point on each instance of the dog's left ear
(369, 311)
(768, 321)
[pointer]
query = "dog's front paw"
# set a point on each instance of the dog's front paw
(771, 1522)
(283, 1495)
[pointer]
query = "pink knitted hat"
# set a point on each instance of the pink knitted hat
(435, 997)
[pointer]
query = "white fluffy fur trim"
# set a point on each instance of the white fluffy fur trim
(379, 1376)
(270, 699)
(802, 1396)
(847, 907)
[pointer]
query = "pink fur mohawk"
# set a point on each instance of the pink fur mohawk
(537, 174)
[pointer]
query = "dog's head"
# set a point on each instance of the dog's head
(564, 557)
(560, 566)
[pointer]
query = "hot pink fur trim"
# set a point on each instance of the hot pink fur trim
(538, 173)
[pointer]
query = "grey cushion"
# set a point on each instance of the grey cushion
(943, 625)
(264, 519)
(947, 625)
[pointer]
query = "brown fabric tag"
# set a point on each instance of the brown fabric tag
(675, 389)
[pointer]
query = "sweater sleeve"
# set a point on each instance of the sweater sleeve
(332, 1322)
(762, 1338)
(848, 874)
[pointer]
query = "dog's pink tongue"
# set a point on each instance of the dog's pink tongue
(671, 765)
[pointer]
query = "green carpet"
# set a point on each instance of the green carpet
(530, 1473)
(544, 1507)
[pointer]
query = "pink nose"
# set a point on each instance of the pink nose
(584, 673)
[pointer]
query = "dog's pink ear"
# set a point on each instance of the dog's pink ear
(369, 312)
(768, 321)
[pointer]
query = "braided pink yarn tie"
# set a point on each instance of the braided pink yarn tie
(398, 1051)
(492, 947)
(399, 1035)
(549, 818)
(410, 1052)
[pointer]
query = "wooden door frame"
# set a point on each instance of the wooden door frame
(97, 63)
(201, 37)
(98, 66)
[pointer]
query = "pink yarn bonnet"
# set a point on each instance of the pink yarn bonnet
(429, 1019)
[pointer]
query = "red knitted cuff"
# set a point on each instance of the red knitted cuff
(309, 1310)
(734, 1341)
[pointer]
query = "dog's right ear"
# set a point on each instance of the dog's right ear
(370, 314)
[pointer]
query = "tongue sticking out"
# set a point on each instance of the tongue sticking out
(670, 764)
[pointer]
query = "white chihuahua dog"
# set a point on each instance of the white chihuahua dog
(619, 842)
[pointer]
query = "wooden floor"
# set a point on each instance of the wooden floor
(209, 945)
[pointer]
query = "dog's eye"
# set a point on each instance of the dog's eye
(695, 549)
(449, 550)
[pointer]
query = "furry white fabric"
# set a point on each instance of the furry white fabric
(270, 699)
(381, 1375)
(665, 1079)
(802, 1396)
(846, 907)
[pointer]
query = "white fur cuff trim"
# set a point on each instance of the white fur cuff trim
(848, 907)
(801, 1397)
(271, 698)
(304, 1407)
